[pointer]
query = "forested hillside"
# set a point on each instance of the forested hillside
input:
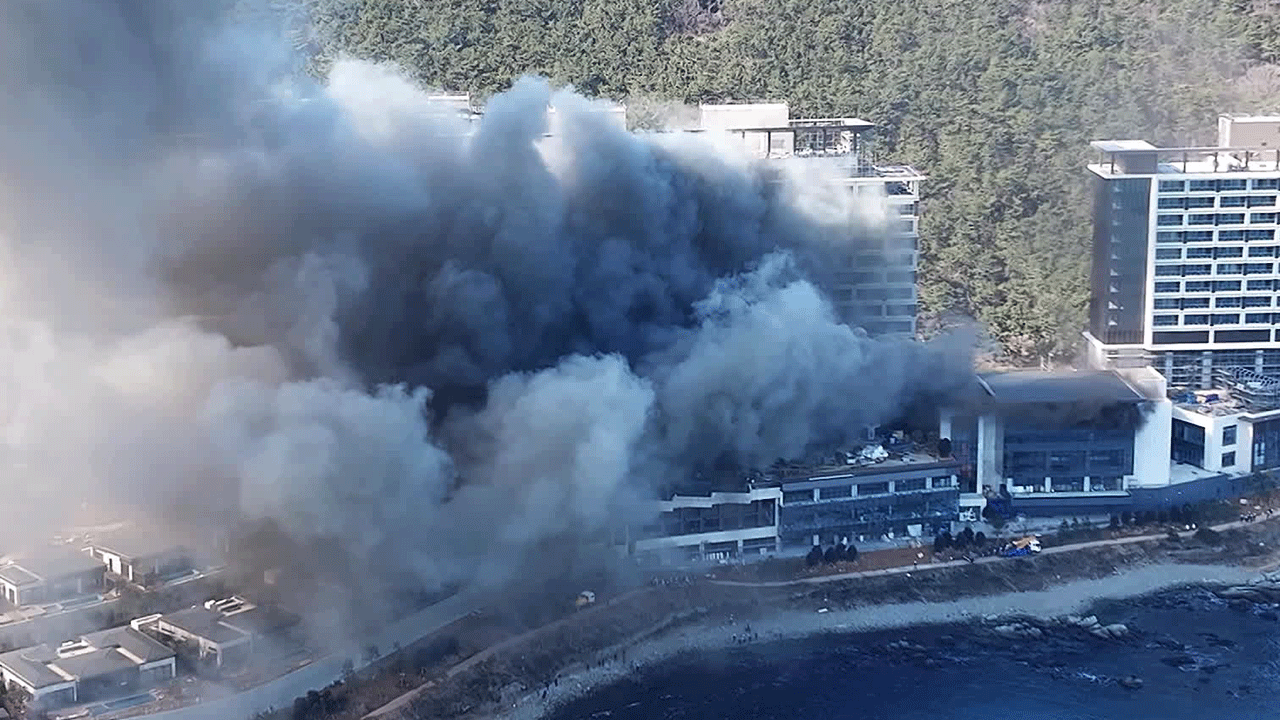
(996, 100)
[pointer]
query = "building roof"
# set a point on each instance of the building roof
(95, 663)
(1021, 387)
(203, 623)
(103, 653)
(51, 563)
(138, 543)
(31, 665)
(15, 575)
(1122, 145)
(131, 642)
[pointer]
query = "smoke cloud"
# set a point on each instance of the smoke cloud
(230, 293)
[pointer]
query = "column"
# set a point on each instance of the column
(1206, 369)
(1087, 486)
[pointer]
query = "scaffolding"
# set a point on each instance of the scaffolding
(1250, 389)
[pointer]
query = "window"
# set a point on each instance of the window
(1231, 301)
(905, 293)
(1169, 236)
(879, 488)
(1170, 220)
(1259, 235)
(1226, 285)
(831, 493)
(1166, 320)
(1203, 185)
(1257, 301)
(1195, 269)
(1266, 184)
(1262, 201)
(1172, 203)
(1179, 186)
(1199, 252)
(1195, 319)
(907, 209)
(1231, 184)
(900, 276)
(1257, 318)
(1199, 202)
(1167, 304)
(1228, 252)
(1168, 253)
(1229, 435)
(1230, 236)
(1168, 271)
(1228, 459)
(1227, 219)
(1199, 286)
(1197, 219)
(1259, 284)
(1229, 269)
(1232, 201)
(1200, 302)
(1257, 268)
(1267, 217)
(1201, 235)
(1260, 251)
(1226, 319)
(1168, 287)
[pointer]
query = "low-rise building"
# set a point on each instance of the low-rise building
(219, 634)
(49, 574)
(912, 495)
(95, 666)
(1062, 443)
(141, 557)
(716, 526)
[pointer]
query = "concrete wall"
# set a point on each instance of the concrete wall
(1151, 446)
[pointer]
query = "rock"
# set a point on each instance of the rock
(1088, 621)
(1117, 630)
(1179, 661)
(1100, 632)
(1009, 632)
(1131, 682)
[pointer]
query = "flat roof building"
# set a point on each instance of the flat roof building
(49, 574)
(96, 666)
(1185, 253)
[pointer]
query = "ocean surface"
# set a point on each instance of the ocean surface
(1197, 657)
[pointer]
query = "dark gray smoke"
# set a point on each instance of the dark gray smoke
(231, 292)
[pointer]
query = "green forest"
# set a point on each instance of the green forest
(996, 101)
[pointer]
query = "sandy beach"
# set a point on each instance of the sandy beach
(1069, 598)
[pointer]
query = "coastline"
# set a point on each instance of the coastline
(683, 633)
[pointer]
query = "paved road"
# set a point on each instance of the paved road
(905, 570)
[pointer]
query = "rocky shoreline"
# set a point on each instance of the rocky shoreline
(1022, 597)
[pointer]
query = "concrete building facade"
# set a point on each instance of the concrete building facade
(1185, 251)
(1056, 442)
(875, 286)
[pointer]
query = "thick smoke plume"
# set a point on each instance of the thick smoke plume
(230, 293)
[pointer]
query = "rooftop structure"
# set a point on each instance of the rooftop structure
(93, 666)
(140, 554)
(1031, 386)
